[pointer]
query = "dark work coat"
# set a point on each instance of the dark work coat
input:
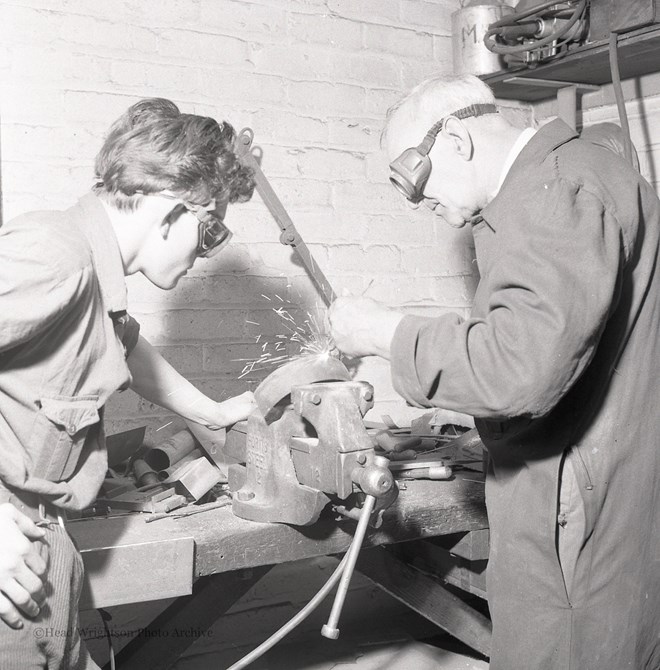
(562, 351)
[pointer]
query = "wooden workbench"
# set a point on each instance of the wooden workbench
(128, 560)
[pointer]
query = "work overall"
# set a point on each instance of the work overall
(64, 341)
(560, 365)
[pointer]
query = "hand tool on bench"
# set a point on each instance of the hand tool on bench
(289, 235)
(421, 470)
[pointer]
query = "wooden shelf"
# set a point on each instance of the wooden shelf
(639, 54)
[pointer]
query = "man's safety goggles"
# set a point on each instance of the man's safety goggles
(411, 170)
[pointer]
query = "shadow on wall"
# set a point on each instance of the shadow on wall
(223, 332)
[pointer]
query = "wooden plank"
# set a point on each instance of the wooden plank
(424, 509)
(224, 542)
(427, 597)
(138, 572)
(161, 643)
(472, 546)
(430, 557)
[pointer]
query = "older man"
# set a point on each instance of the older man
(67, 343)
(559, 364)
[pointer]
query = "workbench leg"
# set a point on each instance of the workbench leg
(426, 597)
(161, 643)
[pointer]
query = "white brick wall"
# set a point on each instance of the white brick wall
(313, 78)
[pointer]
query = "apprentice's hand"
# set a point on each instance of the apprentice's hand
(22, 569)
(362, 327)
(232, 410)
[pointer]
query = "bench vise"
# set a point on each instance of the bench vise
(306, 446)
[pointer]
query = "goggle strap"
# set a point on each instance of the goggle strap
(426, 144)
(475, 110)
(478, 109)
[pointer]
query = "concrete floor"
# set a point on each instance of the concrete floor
(385, 637)
(437, 654)
(377, 632)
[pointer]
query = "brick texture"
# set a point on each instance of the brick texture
(313, 79)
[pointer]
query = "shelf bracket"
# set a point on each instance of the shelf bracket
(567, 92)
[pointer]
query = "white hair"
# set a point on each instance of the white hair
(436, 98)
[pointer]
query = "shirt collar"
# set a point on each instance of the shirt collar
(94, 222)
(515, 150)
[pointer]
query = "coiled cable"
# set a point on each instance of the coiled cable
(513, 20)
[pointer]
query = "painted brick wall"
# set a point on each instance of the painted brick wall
(313, 78)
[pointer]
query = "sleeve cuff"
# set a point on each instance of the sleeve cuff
(131, 335)
(403, 362)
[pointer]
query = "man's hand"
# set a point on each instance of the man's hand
(362, 326)
(21, 567)
(230, 411)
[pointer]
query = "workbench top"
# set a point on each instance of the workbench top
(142, 556)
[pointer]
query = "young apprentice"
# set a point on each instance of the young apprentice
(559, 363)
(164, 180)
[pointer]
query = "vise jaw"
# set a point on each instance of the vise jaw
(313, 451)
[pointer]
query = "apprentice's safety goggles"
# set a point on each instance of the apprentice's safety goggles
(411, 170)
(213, 235)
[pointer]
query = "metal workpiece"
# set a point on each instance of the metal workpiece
(170, 451)
(197, 478)
(276, 388)
(144, 474)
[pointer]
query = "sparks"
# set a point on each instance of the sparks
(309, 337)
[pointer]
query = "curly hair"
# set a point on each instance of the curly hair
(153, 147)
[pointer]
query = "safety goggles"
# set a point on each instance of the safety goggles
(212, 234)
(411, 170)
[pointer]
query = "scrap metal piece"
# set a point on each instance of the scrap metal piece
(198, 478)
(171, 450)
(122, 446)
(144, 474)
(159, 499)
(171, 474)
